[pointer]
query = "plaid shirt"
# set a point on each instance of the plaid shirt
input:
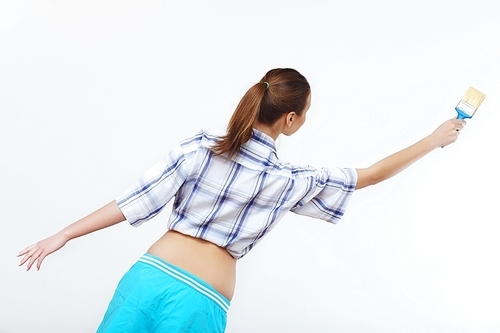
(234, 202)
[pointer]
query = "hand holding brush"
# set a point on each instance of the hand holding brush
(466, 108)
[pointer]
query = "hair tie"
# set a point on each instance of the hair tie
(267, 85)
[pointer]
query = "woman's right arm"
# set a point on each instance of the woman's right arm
(444, 135)
(104, 217)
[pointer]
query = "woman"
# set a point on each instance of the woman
(230, 189)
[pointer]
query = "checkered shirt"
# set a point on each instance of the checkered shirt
(234, 202)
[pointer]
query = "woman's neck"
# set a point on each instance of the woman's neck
(273, 131)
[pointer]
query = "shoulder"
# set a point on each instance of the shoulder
(203, 138)
(322, 175)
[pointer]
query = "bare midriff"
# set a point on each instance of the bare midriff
(204, 259)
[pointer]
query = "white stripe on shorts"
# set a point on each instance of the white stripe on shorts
(212, 294)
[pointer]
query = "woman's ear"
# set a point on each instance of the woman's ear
(290, 118)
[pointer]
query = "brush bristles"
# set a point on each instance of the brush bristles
(474, 97)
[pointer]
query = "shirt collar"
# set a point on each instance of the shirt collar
(263, 139)
(259, 151)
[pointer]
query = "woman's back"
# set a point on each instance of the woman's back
(233, 202)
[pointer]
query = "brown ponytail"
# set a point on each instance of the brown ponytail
(280, 91)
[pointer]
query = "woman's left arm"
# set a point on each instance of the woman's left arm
(104, 217)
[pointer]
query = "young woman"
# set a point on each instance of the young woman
(230, 189)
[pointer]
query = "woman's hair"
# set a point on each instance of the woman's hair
(279, 92)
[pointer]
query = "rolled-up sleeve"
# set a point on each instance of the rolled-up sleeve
(149, 195)
(327, 194)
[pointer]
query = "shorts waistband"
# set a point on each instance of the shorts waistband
(187, 278)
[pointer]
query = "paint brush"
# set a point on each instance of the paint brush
(469, 103)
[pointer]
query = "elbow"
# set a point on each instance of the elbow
(367, 177)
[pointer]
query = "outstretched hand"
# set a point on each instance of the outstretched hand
(447, 132)
(104, 217)
(38, 251)
(444, 135)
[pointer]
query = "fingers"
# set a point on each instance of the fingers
(26, 250)
(32, 258)
(39, 261)
(31, 254)
(458, 124)
(38, 251)
(26, 254)
(449, 131)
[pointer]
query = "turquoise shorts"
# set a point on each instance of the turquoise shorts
(155, 296)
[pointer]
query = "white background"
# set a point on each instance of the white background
(92, 93)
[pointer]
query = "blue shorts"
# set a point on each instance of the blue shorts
(155, 296)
